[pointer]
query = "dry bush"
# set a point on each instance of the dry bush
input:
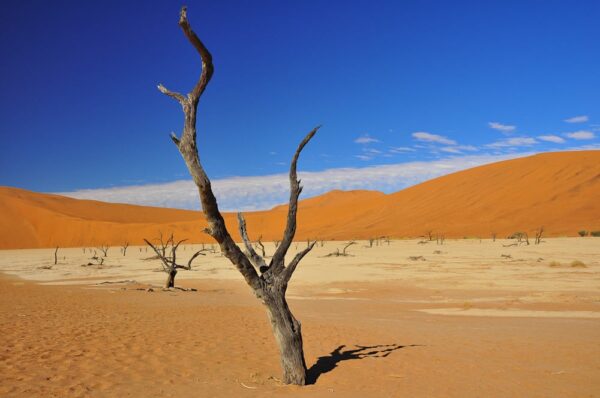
(555, 264)
(578, 264)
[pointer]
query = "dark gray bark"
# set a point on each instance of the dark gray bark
(270, 285)
(56, 256)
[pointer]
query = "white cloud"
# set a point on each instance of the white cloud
(264, 192)
(428, 137)
(505, 128)
(581, 135)
(365, 139)
(577, 119)
(459, 148)
(401, 149)
(513, 142)
(551, 138)
(363, 157)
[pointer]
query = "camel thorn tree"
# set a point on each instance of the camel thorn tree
(270, 282)
(169, 263)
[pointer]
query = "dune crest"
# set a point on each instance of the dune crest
(559, 191)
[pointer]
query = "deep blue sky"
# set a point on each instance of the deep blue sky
(79, 106)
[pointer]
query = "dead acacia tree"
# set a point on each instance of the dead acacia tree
(429, 235)
(124, 248)
(169, 262)
(56, 256)
(104, 250)
(494, 236)
(538, 235)
(271, 284)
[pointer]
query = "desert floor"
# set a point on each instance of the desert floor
(470, 318)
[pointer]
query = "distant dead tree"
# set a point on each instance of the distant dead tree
(494, 236)
(538, 235)
(169, 262)
(271, 284)
(104, 250)
(439, 239)
(124, 248)
(56, 256)
(429, 235)
(343, 253)
(262, 247)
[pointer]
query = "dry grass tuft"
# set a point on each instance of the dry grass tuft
(578, 264)
(555, 264)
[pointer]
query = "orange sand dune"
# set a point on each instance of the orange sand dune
(559, 191)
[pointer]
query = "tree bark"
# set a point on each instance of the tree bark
(288, 336)
(171, 278)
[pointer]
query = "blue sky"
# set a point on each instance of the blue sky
(405, 90)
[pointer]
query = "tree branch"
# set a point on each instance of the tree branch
(257, 260)
(179, 97)
(188, 148)
(295, 190)
(289, 270)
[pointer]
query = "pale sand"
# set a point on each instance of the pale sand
(533, 329)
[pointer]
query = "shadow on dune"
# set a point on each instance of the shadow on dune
(327, 363)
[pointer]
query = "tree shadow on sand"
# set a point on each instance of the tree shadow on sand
(327, 363)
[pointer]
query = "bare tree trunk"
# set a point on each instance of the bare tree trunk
(55, 256)
(171, 278)
(288, 336)
(270, 285)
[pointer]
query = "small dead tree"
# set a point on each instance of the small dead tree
(494, 236)
(270, 283)
(56, 256)
(429, 235)
(169, 263)
(104, 250)
(124, 248)
(538, 235)
(262, 247)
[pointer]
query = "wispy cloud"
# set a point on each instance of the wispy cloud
(459, 149)
(505, 128)
(401, 149)
(551, 138)
(513, 142)
(366, 139)
(581, 135)
(264, 192)
(577, 119)
(428, 137)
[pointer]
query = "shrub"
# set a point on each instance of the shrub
(582, 233)
(555, 264)
(595, 233)
(578, 264)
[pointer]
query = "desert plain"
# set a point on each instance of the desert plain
(404, 318)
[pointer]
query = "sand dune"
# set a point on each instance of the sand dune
(559, 191)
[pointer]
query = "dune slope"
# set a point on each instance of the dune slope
(558, 191)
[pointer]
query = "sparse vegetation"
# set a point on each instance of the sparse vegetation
(578, 264)
(555, 264)
(595, 234)
(582, 233)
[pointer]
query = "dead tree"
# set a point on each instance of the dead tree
(56, 256)
(494, 236)
(262, 247)
(538, 235)
(169, 263)
(104, 250)
(124, 248)
(270, 283)
(429, 235)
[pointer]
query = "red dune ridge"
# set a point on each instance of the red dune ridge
(558, 191)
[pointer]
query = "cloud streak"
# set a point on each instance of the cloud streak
(505, 128)
(581, 135)
(428, 137)
(578, 119)
(264, 192)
